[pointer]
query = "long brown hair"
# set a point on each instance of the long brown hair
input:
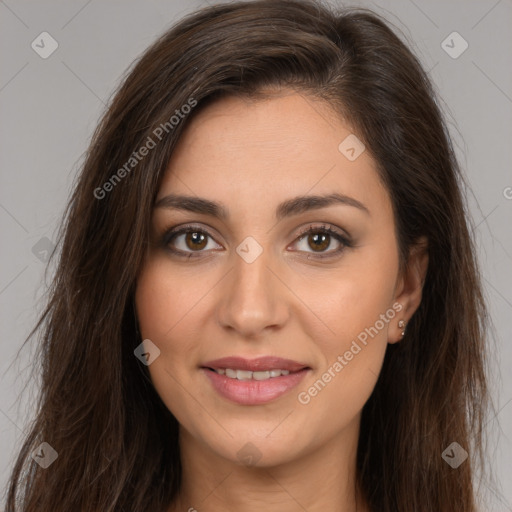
(117, 443)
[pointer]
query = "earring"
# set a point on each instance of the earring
(401, 324)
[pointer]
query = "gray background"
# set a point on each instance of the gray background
(49, 108)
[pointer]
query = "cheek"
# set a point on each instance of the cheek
(173, 312)
(164, 306)
(355, 307)
(349, 300)
(166, 302)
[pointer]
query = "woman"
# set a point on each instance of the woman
(267, 294)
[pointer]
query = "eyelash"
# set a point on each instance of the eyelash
(172, 233)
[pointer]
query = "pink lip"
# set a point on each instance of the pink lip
(254, 392)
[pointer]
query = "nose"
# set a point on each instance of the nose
(253, 299)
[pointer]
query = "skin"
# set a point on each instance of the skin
(250, 155)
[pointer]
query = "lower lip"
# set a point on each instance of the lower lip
(254, 392)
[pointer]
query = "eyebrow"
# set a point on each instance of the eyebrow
(287, 208)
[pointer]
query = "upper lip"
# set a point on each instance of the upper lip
(254, 365)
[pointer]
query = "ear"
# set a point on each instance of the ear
(409, 287)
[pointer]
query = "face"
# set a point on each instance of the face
(244, 279)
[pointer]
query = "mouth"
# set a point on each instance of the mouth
(254, 382)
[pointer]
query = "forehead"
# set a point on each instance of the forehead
(255, 152)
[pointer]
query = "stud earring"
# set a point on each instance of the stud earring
(401, 324)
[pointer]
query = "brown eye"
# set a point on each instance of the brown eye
(319, 241)
(195, 240)
(189, 241)
(315, 242)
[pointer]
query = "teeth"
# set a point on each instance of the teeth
(247, 375)
(243, 375)
(263, 375)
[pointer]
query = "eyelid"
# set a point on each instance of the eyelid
(173, 232)
(341, 236)
(324, 226)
